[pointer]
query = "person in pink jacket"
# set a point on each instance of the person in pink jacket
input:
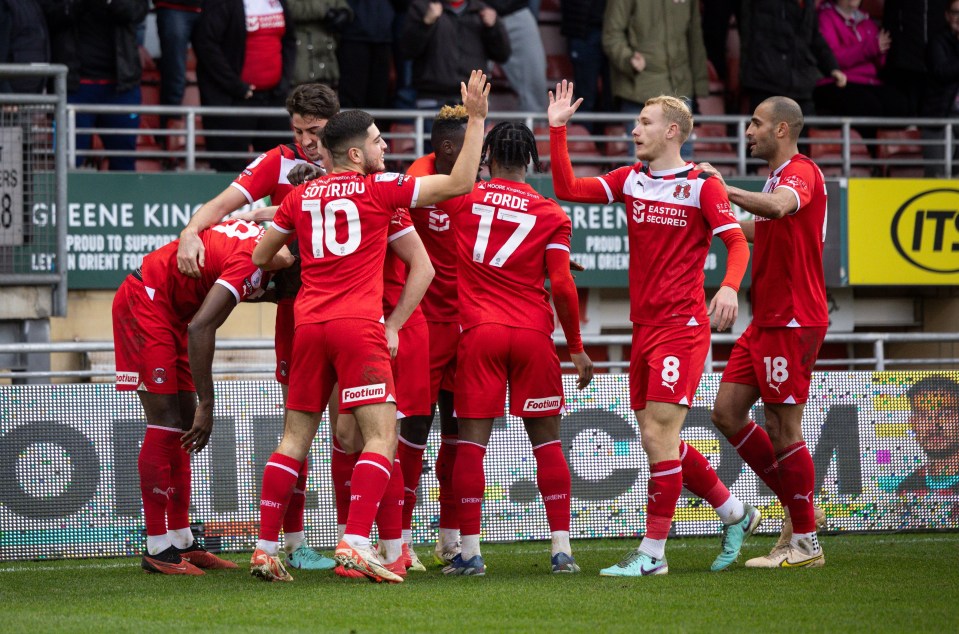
(860, 48)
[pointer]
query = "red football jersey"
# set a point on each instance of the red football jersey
(229, 250)
(788, 285)
(341, 222)
(672, 218)
(503, 230)
(394, 269)
(433, 225)
(266, 175)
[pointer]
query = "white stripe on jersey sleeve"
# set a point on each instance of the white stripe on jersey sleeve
(243, 191)
(795, 193)
(609, 192)
(720, 229)
(400, 234)
(416, 193)
(556, 245)
(281, 229)
(228, 286)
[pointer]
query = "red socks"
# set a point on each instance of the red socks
(293, 520)
(445, 460)
(469, 485)
(279, 478)
(367, 485)
(411, 458)
(700, 477)
(665, 485)
(797, 477)
(753, 444)
(389, 517)
(178, 508)
(154, 466)
(341, 470)
(552, 477)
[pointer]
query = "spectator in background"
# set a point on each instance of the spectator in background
(942, 89)
(446, 40)
(23, 40)
(317, 25)
(655, 47)
(245, 52)
(175, 22)
(526, 67)
(582, 25)
(783, 52)
(97, 41)
(716, 15)
(366, 54)
(912, 24)
(860, 49)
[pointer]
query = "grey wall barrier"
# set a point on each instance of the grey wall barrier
(69, 485)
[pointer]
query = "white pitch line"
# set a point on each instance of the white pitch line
(80, 566)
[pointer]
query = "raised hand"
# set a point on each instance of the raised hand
(561, 104)
(475, 95)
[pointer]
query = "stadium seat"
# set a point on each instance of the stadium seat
(405, 143)
(623, 146)
(149, 96)
(721, 154)
(896, 152)
(558, 67)
(578, 148)
(151, 74)
(716, 86)
(821, 151)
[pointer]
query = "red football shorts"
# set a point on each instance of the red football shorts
(778, 361)
(351, 352)
(489, 356)
(150, 344)
(284, 340)
(444, 340)
(666, 363)
(411, 371)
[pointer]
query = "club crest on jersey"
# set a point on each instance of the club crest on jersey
(439, 221)
(682, 191)
(159, 376)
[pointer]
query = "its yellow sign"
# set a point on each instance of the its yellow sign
(903, 231)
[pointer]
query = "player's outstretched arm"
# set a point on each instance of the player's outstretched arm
(190, 255)
(779, 203)
(566, 301)
(201, 333)
(258, 215)
(439, 187)
(409, 248)
(565, 183)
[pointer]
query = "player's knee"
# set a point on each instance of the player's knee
(416, 429)
(726, 422)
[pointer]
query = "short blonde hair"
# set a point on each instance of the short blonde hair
(676, 111)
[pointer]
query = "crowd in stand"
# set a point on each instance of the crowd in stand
(879, 58)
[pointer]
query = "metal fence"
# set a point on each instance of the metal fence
(244, 358)
(33, 171)
(840, 145)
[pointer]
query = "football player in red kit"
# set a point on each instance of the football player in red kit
(341, 336)
(774, 358)
(674, 211)
(164, 330)
(310, 106)
(508, 237)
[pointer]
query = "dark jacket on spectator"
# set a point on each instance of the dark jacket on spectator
(180, 5)
(372, 22)
(219, 41)
(316, 38)
(581, 17)
(506, 7)
(912, 24)
(23, 40)
(445, 52)
(782, 49)
(96, 39)
(942, 62)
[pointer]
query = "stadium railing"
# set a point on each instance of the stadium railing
(900, 146)
(101, 352)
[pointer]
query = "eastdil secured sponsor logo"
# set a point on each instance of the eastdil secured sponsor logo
(351, 394)
(128, 378)
(539, 404)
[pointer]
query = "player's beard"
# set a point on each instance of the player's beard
(371, 165)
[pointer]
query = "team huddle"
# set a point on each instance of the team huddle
(398, 294)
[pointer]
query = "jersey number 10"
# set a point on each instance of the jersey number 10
(324, 226)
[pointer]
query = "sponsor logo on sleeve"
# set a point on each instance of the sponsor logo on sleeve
(795, 181)
(385, 177)
(362, 393)
(542, 404)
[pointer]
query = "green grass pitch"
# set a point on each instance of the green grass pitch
(889, 582)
